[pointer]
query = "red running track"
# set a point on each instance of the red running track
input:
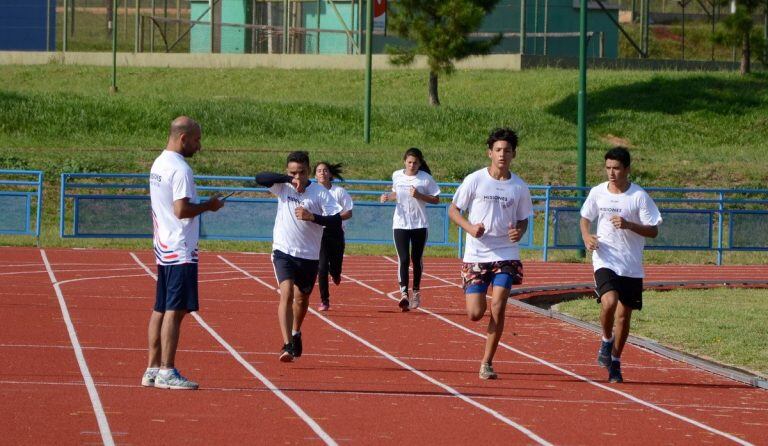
(73, 347)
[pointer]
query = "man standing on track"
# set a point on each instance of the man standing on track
(499, 204)
(625, 214)
(176, 231)
(303, 210)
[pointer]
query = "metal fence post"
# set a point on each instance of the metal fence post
(721, 208)
(546, 223)
(522, 27)
(138, 30)
(113, 87)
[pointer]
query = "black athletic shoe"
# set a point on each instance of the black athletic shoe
(286, 354)
(614, 372)
(297, 347)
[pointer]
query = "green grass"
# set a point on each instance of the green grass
(685, 129)
(727, 325)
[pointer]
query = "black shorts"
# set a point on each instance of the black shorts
(176, 288)
(302, 272)
(630, 289)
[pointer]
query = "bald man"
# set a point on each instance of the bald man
(176, 231)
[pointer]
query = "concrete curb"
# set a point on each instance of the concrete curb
(557, 293)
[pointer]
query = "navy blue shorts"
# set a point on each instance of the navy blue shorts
(629, 289)
(176, 288)
(302, 272)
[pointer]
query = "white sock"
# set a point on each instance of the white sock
(294, 332)
(153, 370)
(165, 372)
(615, 358)
(606, 340)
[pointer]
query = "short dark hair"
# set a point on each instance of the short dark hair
(502, 134)
(298, 156)
(620, 154)
(334, 169)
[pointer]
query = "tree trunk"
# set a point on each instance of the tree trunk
(433, 97)
(746, 55)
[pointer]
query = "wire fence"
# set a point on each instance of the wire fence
(709, 220)
(676, 29)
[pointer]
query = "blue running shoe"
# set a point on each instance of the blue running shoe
(614, 372)
(604, 354)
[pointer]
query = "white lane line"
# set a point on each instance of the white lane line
(394, 394)
(584, 378)
(530, 434)
(17, 273)
(98, 409)
(327, 356)
(279, 393)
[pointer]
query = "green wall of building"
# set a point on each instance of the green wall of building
(560, 16)
(229, 39)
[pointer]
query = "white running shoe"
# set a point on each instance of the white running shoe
(486, 371)
(174, 381)
(416, 300)
(148, 380)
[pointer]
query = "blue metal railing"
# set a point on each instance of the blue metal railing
(695, 215)
(21, 194)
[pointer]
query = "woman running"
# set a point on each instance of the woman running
(412, 188)
(332, 244)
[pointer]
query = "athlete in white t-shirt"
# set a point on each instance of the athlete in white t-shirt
(176, 231)
(412, 188)
(499, 204)
(332, 244)
(625, 215)
(303, 209)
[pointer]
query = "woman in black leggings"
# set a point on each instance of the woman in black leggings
(412, 188)
(332, 243)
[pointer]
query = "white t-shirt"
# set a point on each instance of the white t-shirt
(342, 197)
(620, 250)
(296, 237)
(175, 240)
(411, 213)
(498, 204)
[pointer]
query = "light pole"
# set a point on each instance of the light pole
(368, 68)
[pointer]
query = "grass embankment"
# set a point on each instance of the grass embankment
(727, 325)
(685, 129)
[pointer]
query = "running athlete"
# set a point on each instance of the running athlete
(499, 205)
(625, 215)
(303, 209)
(412, 188)
(332, 244)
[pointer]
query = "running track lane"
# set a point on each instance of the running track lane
(378, 312)
(410, 331)
(355, 394)
(112, 315)
(40, 380)
(707, 398)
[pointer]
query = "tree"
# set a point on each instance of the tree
(440, 30)
(738, 29)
